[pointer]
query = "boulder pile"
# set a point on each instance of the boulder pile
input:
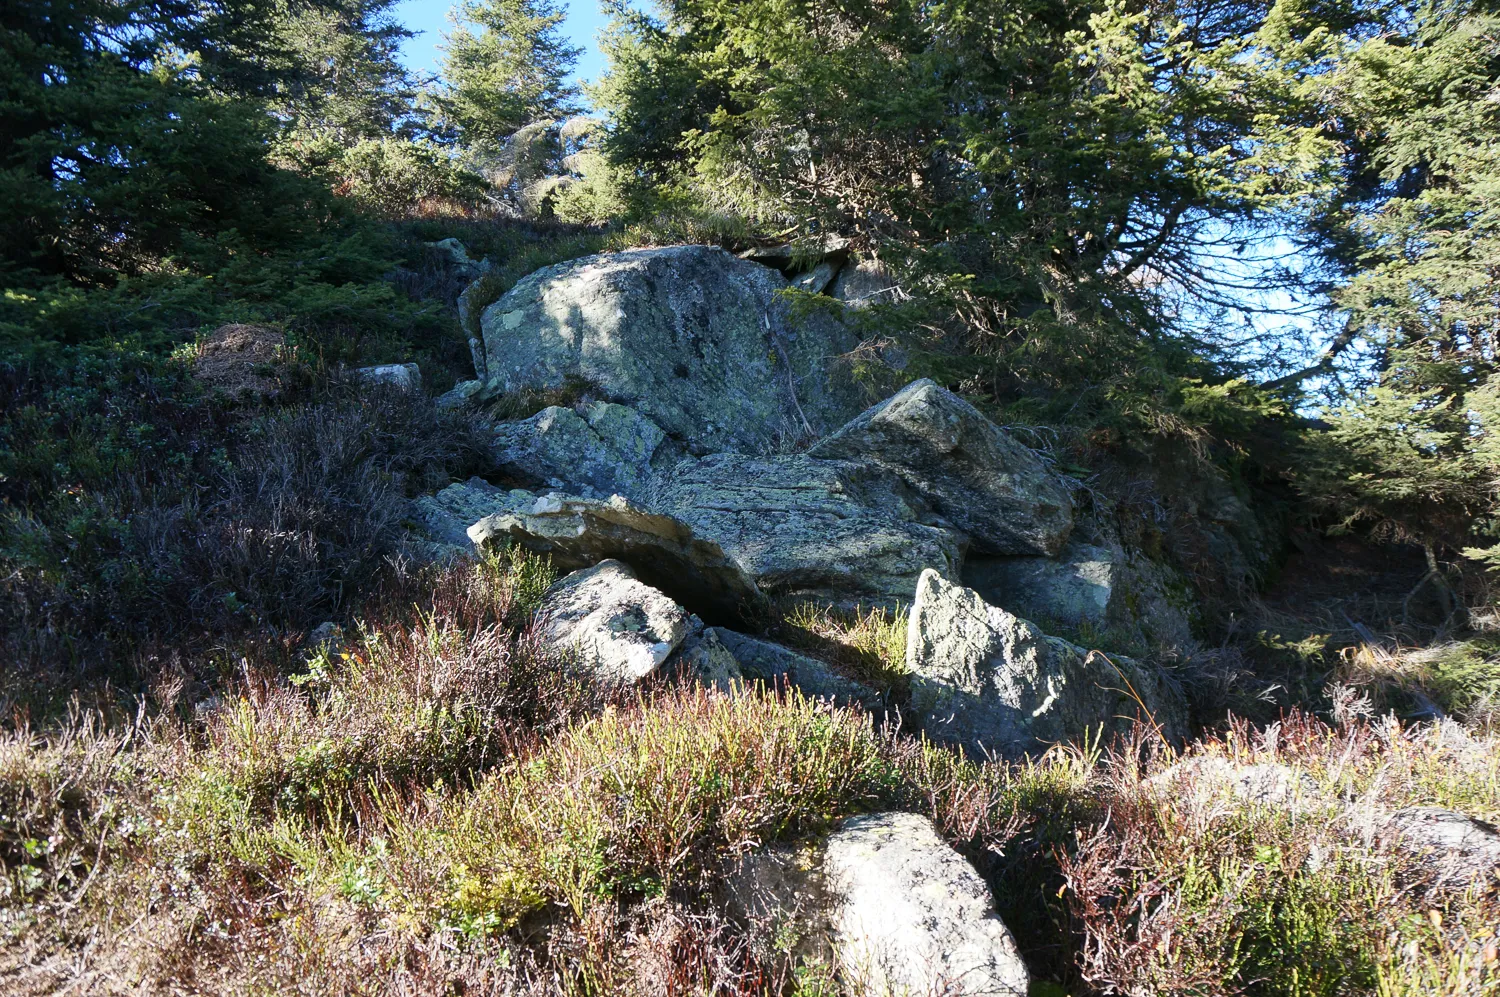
(724, 458)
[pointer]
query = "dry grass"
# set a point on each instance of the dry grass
(869, 645)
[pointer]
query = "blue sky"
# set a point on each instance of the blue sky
(430, 19)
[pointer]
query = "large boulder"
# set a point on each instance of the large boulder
(781, 667)
(665, 552)
(620, 629)
(1102, 588)
(605, 451)
(992, 682)
(835, 532)
(891, 905)
(969, 469)
(695, 339)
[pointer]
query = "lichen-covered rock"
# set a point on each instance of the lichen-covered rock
(969, 469)
(780, 667)
(456, 255)
(445, 518)
(576, 532)
(606, 451)
(695, 339)
(1105, 587)
(836, 532)
(401, 376)
(994, 683)
(620, 629)
(1458, 848)
(890, 904)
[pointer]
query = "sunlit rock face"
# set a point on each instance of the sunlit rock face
(696, 340)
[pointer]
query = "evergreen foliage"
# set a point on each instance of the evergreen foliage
(511, 72)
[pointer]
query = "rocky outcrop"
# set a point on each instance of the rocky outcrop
(781, 668)
(891, 905)
(992, 682)
(832, 531)
(620, 629)
(605, 451)
(1457, 848)
(576, 532)
(966, 467)
(693, 338)
(1093, 585)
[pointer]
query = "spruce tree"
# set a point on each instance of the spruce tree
(506, 65)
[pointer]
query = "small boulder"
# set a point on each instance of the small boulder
(401, 376)
(816, 280)
(666, 552)
(1458, 848)
(890, 904)
(779, 667)
(837, 532)
(992, 682)
(704, 657)
(456, 255)
(607, 451)
(621, 629)
(969, 469)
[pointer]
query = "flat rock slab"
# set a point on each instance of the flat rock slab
(1458, 848)
(781, 667)
(621, 629)
(662, 551)
(890, 904)
(994, 683)
(698, 341)
(970, 470)
(836, 532)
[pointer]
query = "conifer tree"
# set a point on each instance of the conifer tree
(506, 64)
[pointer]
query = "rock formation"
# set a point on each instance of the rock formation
(969, 469)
